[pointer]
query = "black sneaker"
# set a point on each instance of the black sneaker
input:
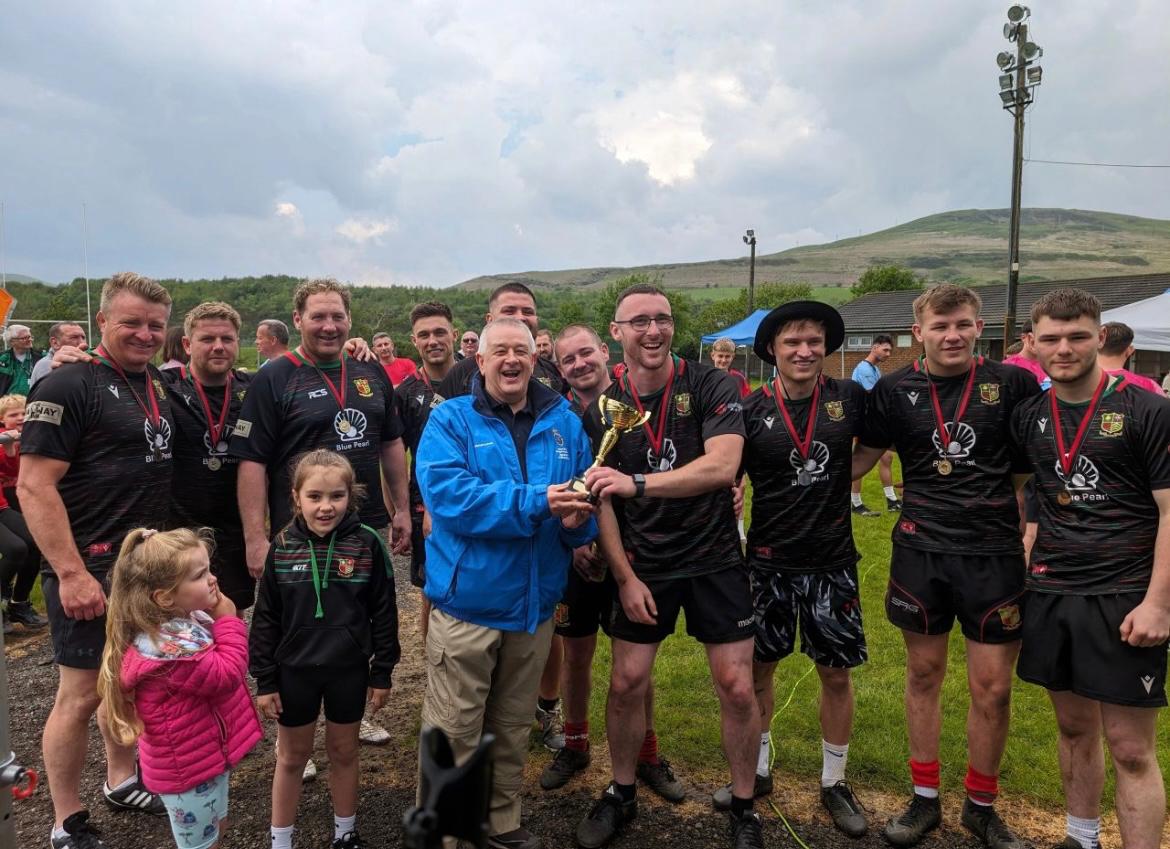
(893, 505)
(661, 779)
(23, 613)
(134, 797)
(79, 834)
(984, 823)
(862, 510)
(607, 817)
(1071, 842)
(843, 806)
(922, 816)
(747, 831)
(565, 764)
(518, 838)
(349, 840)
(722, 796)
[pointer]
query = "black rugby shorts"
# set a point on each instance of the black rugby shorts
(718, 608)
(586, 606)
(303, 688)
(77, 643)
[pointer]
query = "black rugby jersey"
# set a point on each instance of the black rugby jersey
(676, 537)
(802, 522)
(416, 396)
(85, 414)
(204, 489)
(289, 409)
(972, 510)
(458, 379)
(1098, 521)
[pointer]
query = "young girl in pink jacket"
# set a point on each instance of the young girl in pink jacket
(172, 678)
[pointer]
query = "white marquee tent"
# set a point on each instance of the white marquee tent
(1149, 319)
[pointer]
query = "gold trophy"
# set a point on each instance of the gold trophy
(620, 418)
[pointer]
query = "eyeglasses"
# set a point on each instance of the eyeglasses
(642, 322)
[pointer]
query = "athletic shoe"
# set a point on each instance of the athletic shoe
(517, 839)
(862, 510)
(607, 817)
(349, 840)
(893, 505)
(79, 834)
(722, 796)
(984, 823)
(565, 764)
(661, 779)
(747, 831)
(373, 733)
(843, 806)
(309, 773)
(134, 797)
(552, 727)
(23, 613)
(921, 816)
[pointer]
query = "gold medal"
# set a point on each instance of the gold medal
(343, 425)
(945, 467)
(214, 463)
(1063, 499)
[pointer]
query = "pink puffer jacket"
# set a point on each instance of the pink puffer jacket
(198, 715)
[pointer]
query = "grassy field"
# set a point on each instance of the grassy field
(687, 710)
(829, 294)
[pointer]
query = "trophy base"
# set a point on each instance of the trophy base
(577, 484)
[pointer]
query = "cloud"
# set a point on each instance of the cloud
(360, 230)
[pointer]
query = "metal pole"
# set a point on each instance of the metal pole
(1009, 317)
(85, 260)
(3, 270)
(752, 280)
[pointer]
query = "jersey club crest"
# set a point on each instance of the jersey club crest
(682, 403)
(989, 393)
(835, 411)
(362, 385)
(345, 566)
(1112, 424)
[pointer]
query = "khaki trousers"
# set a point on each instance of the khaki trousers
(484, 680)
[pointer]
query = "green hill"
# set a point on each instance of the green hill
(965, 246)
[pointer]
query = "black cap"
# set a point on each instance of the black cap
(797, 311)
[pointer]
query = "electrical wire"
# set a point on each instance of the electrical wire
(1095, 164)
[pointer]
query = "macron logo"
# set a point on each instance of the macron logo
(768, 422)
(113, 390)
(1148, 683)
(913, 396)
(1042, 423)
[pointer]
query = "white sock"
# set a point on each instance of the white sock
(926, 792)
(762, 766)
(343, 826)
(855, 497)
(282, 837)
(125, 783)
(57, 833)
(1086, 832)
(890, 494)
(833, 760)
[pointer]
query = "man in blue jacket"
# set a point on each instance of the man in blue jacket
(492, 468)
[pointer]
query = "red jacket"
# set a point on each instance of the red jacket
(198, 715)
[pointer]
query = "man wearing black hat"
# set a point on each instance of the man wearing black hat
(801, 556)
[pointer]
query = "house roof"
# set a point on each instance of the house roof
(892, 311)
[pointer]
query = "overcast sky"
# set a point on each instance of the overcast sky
(428, 142)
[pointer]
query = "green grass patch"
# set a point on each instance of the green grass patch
(687, 711)
(829, 294)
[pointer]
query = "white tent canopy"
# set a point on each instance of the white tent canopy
(1149, 319)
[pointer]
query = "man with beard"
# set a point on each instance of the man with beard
(801, 556)
(584, 363)
(1098, 600)
(433, 336)
(544, 345)
(679, 465)
(957, 552)
(96, 462)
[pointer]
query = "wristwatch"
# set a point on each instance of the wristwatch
(639, 485)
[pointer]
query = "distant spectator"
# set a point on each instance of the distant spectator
(544, 344)
(722, 353)
(468, 345)
(16, 363)
(20, 559)
(173, 353)
(60, 333)
(867, 373)
(271, 339)
(397, 368)
(1117, 350)
(1166, 383)
(1025, 358)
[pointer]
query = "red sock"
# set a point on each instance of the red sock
(981, 789)
(924, 774)
(577, 736)
(649, 752)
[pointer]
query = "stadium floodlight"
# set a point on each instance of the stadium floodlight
(1017, 13)
(1034, 74)
(1010, 31)
(1005, 60)
(750, 238)
(1008, 97)
(1032, 51)
(1006, 81)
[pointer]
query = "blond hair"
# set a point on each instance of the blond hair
(11, 402)
(724, 345)
(149, 561)
(944, 299)
(133, 284)
(210, 311)
(319, 286)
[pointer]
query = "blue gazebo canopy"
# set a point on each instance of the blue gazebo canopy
(742, 333)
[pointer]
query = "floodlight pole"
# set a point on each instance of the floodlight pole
(1013, 287)
(750, 238)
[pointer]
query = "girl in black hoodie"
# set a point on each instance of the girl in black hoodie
(325, 629)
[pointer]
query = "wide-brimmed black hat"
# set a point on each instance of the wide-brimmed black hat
(795, 311)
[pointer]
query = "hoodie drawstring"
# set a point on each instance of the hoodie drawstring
(318, 581)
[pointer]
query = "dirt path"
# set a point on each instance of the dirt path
(388, 781)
